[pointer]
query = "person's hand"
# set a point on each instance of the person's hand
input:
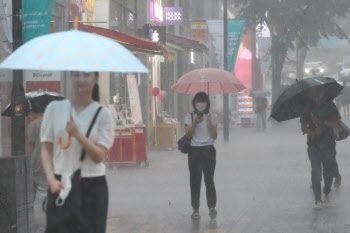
(198, 120)
(55, 186)
(316, 120)
(209, 122)
(72, 128)
(317, 131)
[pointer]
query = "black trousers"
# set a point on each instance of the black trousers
(91, 217)
(202, 160)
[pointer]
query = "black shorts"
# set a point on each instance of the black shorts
(90, 217)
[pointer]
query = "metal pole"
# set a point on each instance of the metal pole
(226, 97)
(254, 61)
(18, 102)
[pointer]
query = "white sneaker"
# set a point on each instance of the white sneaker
(319, 205)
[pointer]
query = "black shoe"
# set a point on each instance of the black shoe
(213, 213)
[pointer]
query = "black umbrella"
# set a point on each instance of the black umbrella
(293, 102)
(37, 101)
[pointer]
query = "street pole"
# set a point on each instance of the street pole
(254, 61)
(18, 102)
(226, 96)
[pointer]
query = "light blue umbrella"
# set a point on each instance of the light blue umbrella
(73, 51)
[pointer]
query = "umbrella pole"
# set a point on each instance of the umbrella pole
(208, 87)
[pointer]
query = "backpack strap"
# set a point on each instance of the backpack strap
(89, 130)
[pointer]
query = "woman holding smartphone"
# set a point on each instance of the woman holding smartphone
(201, 127)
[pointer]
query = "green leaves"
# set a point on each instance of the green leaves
(306, 21)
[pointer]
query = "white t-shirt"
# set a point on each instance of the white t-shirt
(201, 136)
(56, 116)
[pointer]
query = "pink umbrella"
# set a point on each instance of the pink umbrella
(209, 80)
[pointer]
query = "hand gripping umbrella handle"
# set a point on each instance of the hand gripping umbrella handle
(65, 147)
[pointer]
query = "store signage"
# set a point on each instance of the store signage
(173, 15)
(156, 11)
(199, 31)
(37, 80)
(156, 33)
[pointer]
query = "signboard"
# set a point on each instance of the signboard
(134, 97)
(156, 11)
(235, 29)
(156, 33)
(43, 81)
(36, 18)
(173, 15)
(199, 31)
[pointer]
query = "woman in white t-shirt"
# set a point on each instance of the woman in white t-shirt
(201, 127)
(69, 120)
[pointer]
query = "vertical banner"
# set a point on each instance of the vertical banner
(216, 32)
(134, 97)
(235, 29)
(36, 18)
(6, 22)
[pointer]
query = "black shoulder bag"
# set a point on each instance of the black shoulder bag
(184, 144)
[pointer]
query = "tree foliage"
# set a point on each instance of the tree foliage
(293, 21)
(306, 21)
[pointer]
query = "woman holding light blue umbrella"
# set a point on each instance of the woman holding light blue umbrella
(76, 134)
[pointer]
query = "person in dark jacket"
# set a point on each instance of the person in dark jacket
(318, 124)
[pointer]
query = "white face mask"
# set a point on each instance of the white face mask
(201, 106)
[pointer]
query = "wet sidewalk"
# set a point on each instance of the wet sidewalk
(262, 182)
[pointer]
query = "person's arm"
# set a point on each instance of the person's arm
(308, 131)
(213, 132)
(46, 158)
(212, 128)
(190, 129)
(96, 152)
(331, 124)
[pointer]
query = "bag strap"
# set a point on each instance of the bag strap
(89, 130)
(192, 117)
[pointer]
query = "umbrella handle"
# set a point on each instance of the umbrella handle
(65, 147)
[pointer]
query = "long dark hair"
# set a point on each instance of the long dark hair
(201, 97)
(96, 91)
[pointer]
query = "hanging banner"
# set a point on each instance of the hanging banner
(216, 32)
(36, 18)
(235, 29)
(134, 97)
(6, 22)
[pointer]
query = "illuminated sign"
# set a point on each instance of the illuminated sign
(173, 15)
(156, 11)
